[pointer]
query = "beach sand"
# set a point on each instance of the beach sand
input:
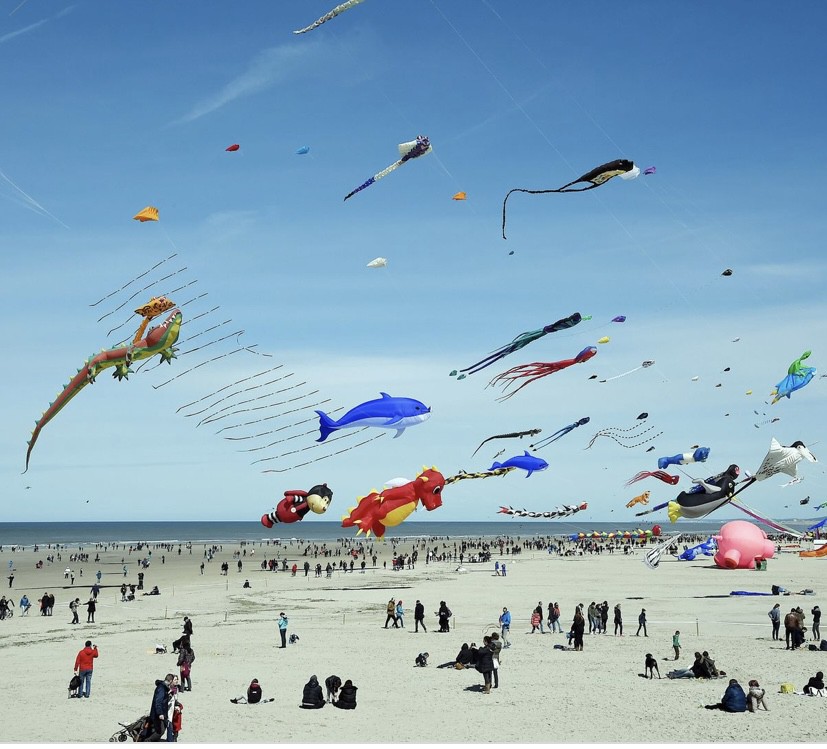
(545, 695)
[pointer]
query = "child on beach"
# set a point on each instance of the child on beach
(755, 698)
(676, 643)
(535, 622)
(422, 660)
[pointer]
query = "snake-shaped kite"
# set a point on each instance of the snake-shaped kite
(327, 16)
(411, 150)
(561, 512)
(596, 177)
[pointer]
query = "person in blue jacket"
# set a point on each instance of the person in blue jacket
(505, 623)
(733, 701)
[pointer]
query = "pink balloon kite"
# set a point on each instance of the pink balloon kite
(739, 543)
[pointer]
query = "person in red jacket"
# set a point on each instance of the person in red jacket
(84, 663)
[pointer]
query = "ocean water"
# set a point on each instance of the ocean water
(28, 534)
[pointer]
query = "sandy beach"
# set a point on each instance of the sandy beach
(545, 694)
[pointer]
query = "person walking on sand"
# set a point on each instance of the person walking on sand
(186, 658)
(816, 612)
(676, 643)
(618, 620)
(158, 710)
(604, 616)
(400, 614)
(641, 622)
(391, 611)
(73, 607)
(539, 612)
(84, 665)
(775, 617)
(282, 623)
(496, 648)
(91, 607)
(555, 619)
(419, 616)
(505, 626)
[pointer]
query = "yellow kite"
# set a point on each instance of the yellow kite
(150, 213)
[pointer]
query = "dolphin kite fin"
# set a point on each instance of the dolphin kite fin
(326, 426)
(398, 432)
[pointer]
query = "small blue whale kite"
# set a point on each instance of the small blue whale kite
(386, 412)
(526, 461)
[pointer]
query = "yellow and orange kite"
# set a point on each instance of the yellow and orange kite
(640, 499)
(150, 213)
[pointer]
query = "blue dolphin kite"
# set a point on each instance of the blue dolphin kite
(387, 412)
(526, 461)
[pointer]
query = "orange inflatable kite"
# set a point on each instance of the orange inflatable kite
(150, 213)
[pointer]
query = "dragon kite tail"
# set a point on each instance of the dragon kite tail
(159, 340)
(83, 377)
(478, 475)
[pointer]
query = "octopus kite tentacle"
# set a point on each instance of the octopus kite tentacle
(596, 177)
(560, 433)
(522, 340)
(662, 475)
(537, 370)
(159, 340)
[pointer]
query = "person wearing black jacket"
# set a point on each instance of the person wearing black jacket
(312, 698)
(347, 696)
(485, 663)
(815, 683)
(419, 615)
(184, 639)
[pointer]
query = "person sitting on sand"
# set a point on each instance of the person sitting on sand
(312, 698)
(815, 684)
(466, 657)
(733, 701)
(697, 670)
(651, 666)
(347, 696)
(755, 698)
(254, 695)
(422, 660)
(713, 671)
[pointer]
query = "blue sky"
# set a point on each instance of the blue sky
(108, 109)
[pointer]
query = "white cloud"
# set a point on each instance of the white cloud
(268, 68)
(32, 26)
